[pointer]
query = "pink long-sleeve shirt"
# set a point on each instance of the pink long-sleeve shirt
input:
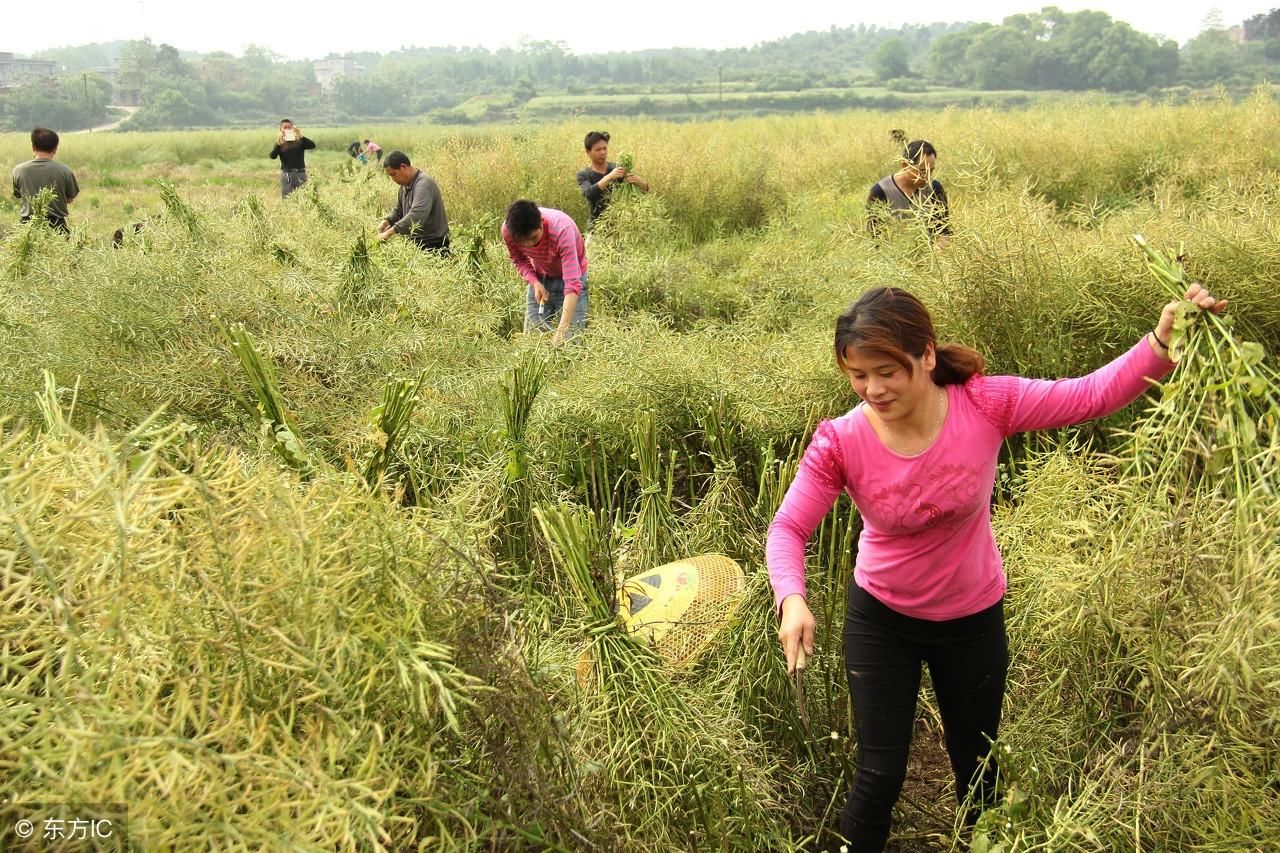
(561, 253)
(927, 549)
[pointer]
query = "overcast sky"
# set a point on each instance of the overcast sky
(302, 30)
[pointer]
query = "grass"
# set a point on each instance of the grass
(251, 656)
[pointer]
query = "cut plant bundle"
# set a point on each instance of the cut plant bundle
(661, 747)
(650, 535)
(362, 282)
(718, 499)
(524, 382)
(677, 609)
(270, 407)
(178, 208)
(626, 190)
(1216, 422)
(390, 421)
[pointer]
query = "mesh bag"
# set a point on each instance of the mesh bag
(680, 607)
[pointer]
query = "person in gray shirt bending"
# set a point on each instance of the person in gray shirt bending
(42, 171)
(419, 211)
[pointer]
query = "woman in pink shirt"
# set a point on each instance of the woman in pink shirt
(918, 458)
(549, 253)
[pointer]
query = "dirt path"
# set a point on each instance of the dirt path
(129, 110)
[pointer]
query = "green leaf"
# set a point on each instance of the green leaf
(515, 469)
(1252, 352)
(1247, 429)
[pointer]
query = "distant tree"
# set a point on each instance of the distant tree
(173, 95)
(1038, 26)
(1053, 49)
(68, 102)
(370, 95)
(169, 62)
(523, 91)
(133, 69)
(891, 60)
(1062, 61)
(1263, 27)
(87, 57)
(1265, 30)
(1001, 58)
(223, 70)
(1211, 57)
(171, 108)
(1127, 60)
(947, 62)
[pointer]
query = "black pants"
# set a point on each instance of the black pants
(57, 223)
(438, 245)
(883, 650)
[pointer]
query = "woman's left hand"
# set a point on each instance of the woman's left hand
(1198, 295)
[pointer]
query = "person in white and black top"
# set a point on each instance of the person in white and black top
(289, 148)
(598, 180)
(910, 191)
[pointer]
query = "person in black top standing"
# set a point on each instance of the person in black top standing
(289, 148)
(598, 179)
(909, 191)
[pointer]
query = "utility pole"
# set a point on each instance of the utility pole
(85, 78)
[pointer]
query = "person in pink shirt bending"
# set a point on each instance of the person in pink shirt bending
(918, 458)
(548, 251)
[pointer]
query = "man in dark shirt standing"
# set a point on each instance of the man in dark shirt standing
(290, 146)
(597, 181)
(42, 171)
(419, 211)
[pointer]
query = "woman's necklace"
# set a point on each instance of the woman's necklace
(937, 428)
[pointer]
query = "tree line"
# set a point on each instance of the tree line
(1046, 50)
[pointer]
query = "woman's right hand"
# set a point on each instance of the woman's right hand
(617, 174)
(796, 631)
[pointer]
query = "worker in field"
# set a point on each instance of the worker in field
(548, 251)
(419, 212)
(918, 457)
(43, 171)
(290, 149)
(911, 191)
(371, 151)
(602, 175)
